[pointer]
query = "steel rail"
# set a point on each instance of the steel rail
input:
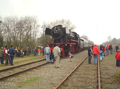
(24, 70)
(20, 65)
(99, 83)
(70, 73)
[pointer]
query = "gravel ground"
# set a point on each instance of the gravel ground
(110, 73)
(48, 76)
(85, 77)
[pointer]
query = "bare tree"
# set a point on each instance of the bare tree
(8, 32)
(20, 32)
(44, 38)
(29, 28)
(1, 30)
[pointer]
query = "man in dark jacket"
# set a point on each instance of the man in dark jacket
(1, 56)
(89, 54)
(116, 47)
(11, 54)
(100, 47)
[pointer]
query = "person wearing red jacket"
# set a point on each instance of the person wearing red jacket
(6, 55)
(95, 53)
(117, 56)
(111, 49)
(108, 49)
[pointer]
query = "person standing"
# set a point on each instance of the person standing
(108, 49)
(89, 54)
(100, 47)
(103, 49)
(92, 46)
(60, 53)
(16, 51)
(117, 56)
(21, 52)
(56, 52)
(38, 51)
(95, 53)
(1, 55)
(41, 51)
(6, 55)
(34, 51)
(116, 47)
(11, 54)
(111, 50)
(28, 51)
(47, 52)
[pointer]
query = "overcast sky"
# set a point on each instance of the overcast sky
(97, 19)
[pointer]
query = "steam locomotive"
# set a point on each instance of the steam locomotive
(68, 41)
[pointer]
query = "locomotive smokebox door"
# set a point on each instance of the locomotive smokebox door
(47, 31)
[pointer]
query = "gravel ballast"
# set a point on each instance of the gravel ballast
(48, 76)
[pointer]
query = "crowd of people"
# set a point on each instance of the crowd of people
(36, 51)
(56, 51)
(104, 51)
(7, 54)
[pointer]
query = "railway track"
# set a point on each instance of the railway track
(84, 76)
(14, 70)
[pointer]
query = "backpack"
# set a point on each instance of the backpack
(72, 56)
(47, 50)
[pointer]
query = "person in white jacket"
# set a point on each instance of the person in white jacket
(56, 53)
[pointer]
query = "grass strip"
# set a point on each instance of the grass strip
(110, 57)
(33, 79)
(31, 55)
(28, 59)
(116, 77)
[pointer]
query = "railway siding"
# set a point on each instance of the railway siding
(18, 70)
(49, 77)
(85, 77)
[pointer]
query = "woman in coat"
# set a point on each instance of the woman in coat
(95, 53)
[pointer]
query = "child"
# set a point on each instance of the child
(101, 55)
(70, 56)
(117, 56)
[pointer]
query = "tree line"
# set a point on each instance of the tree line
(22, 32)
(112, 41)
